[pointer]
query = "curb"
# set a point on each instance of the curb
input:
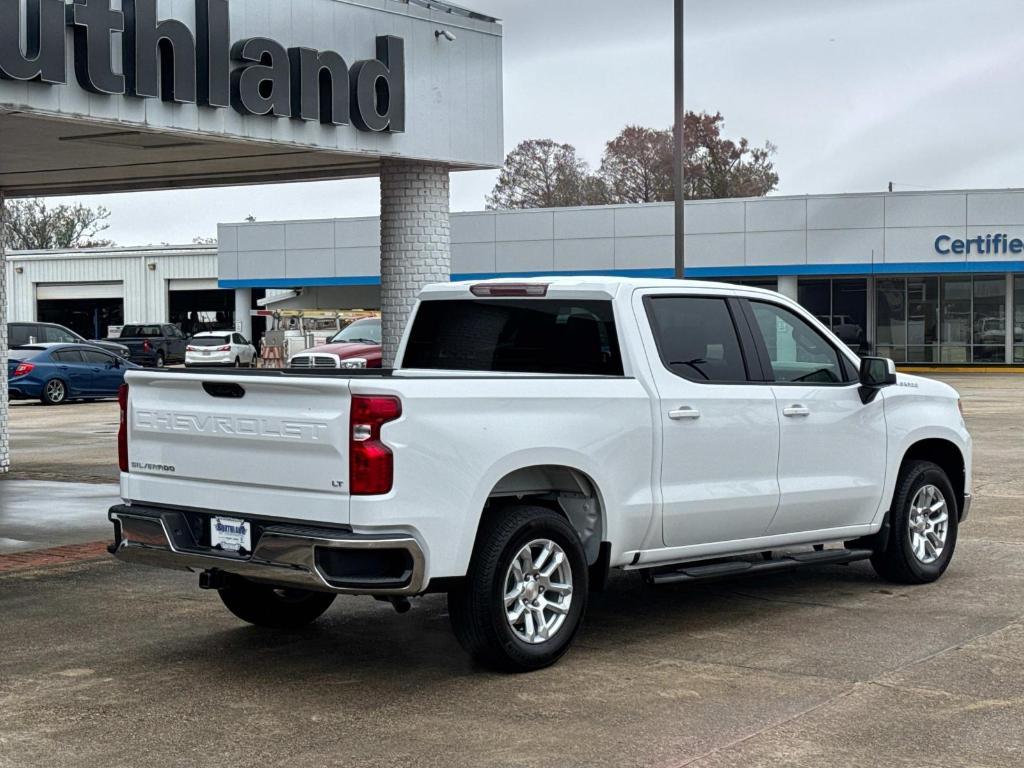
(43, 558)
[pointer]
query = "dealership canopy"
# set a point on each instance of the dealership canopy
(99, 98)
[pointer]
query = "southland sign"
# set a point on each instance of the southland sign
(162, 59)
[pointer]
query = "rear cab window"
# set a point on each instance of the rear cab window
(141, 331)
(544, 336)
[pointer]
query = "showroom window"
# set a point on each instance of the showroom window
(842, 305)
(1018, 319)
(948, 319)
(990, 319)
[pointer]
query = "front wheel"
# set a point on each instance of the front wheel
(524, 597)
(274, 607)
(923, 526)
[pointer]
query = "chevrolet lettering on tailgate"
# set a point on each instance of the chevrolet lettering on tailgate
(233, 426)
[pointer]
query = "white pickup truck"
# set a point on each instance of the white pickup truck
(535, 435)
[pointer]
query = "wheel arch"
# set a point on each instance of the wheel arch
(566, 489)
(946, 454)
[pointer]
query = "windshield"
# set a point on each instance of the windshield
(361, 332)
(23, 354)
(209, 341)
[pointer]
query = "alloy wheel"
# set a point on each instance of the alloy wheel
(538, 591)
(55, 391)
(928, 522)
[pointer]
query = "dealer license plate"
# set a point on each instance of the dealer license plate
(231, 534)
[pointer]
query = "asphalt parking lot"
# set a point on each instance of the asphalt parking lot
(104, 664)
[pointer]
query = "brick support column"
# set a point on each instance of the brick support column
(415, 240)
(5, 454)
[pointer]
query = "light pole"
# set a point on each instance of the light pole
(679, 175)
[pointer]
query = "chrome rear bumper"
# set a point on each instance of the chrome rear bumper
(283, 555)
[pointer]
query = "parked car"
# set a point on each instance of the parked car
(219, 348)
(154, 345)
(57, 373)
(355, 346)
(20, 334)
(535, 435)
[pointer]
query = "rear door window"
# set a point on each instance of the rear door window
(697, 338)
(67, 356)
(516, 336)
(95, 357)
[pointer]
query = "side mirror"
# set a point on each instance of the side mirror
(875, 373)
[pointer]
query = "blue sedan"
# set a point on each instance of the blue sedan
(56, 373)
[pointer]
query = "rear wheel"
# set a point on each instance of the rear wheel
(55, 392)
(274, 607)
(159, 359)
(923, 526)
(524, 597)
(238, 362)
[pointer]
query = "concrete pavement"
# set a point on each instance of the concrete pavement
(106, 664)
(39, 514)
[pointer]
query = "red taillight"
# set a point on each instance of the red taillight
(23, 369)
(147, 347)
(223, 349)
(122, 430)
(371, 465)
(494, 290)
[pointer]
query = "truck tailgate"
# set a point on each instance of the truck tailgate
(259, 445)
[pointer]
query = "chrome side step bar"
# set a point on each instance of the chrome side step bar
(725, 569)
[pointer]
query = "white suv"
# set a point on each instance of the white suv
(219, 348)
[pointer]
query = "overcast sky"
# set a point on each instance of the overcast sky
(924, 93)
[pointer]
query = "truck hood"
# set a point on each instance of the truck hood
(925, 386)
(345, 350)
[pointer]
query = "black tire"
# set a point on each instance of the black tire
(898, 563)
(477, 606)
(159, 360)
(274, 607)
(238, 362)
(55, 392)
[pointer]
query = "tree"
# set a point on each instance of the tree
(32, 225)
(637, 165)
(541, 173)
(204, 240)
(717, 167)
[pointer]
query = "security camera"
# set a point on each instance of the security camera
(439, 33)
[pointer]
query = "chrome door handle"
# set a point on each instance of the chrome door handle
(796, 410)
(685, 412)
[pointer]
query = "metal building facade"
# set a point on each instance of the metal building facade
(144, 275)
